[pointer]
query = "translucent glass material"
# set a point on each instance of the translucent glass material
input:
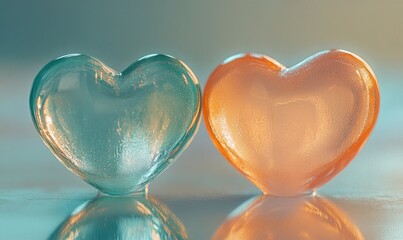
(314, 218)
(121, 218)
(290, 130)
(116, 131)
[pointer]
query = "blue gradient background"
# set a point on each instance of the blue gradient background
(202, 34)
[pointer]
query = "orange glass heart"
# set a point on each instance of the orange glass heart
(290, 130)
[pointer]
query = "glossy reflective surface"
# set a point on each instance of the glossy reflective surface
(290, 130)
(35, 214)
(313, 218)
(33, 201)
(116, 131)
(139, 218)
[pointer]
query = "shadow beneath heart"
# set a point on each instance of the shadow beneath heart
(305, 217)
(134, 217)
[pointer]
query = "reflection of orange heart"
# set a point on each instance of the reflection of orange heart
(290, 130)
(288, 218)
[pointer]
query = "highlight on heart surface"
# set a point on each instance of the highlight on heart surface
(291, 130)
(116, 131)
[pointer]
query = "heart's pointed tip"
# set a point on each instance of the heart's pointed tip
(140, 191)
(289, 195)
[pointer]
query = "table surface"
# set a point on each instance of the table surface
(39, 215)
(40, 199)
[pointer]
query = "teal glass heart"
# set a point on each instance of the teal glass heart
(116, 131)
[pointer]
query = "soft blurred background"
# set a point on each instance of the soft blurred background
(201, 188)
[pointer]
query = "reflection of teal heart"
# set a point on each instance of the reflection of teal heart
(116, 131)
(121, 218)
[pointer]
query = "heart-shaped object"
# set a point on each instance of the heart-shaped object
(290, 130)
(116, 131)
